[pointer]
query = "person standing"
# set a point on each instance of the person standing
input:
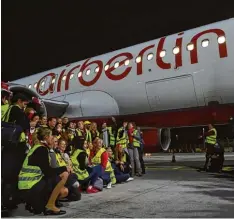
(139, 137)
(210, 141)
(13, 155)
(133, 144)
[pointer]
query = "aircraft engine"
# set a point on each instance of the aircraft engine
(29, 93)
(164, 138)
(156, 138)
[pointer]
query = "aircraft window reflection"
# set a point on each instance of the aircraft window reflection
(97, 69)
(176, 50)
(43, 83)
(35, 85)
(116, 65)
(64, 77)
(221, 39)
(126, 62)
(205, 43)
(79, 75)
(88, 72)
(190, 46)
(53, 80)
(162, 53)
(71, 76)
(29, 86)
(106, 67)
(138, 59)
(150, 56)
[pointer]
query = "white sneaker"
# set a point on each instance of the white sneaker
(109, 185)
(129, 179)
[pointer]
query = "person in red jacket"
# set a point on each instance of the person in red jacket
(98, 145)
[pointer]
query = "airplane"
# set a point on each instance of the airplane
(182, 80)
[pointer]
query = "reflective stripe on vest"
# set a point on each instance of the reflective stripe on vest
(60, 161)
(112, 137)
(88, 137)
(81, 174)
(124, 140)
(4, 109)
(136, 143)
(79, 132)
(29, 175)
(111, 171)
(97, 133)
(212, 138)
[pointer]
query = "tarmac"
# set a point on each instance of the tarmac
(166, 190)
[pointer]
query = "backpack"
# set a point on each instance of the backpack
(10, 132)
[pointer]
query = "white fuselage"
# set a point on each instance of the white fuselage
(174, 81)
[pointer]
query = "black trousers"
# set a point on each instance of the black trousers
(12, 160)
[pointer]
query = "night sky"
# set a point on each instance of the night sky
(38, 37)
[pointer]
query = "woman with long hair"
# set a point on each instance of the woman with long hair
(38, 181)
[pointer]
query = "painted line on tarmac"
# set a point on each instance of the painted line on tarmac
(227, 169)
(168, 168)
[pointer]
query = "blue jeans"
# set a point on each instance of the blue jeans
(120, 176)
(94, 173)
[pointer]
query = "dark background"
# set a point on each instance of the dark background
(37, 37)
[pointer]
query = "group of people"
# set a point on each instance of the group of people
(58, 159)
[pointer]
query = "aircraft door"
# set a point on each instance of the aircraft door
(171, 93)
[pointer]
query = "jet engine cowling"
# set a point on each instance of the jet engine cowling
(164, 138)
(156, 139)
(15, 88)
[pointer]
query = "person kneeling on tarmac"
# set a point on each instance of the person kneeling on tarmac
(100, 157)
(39, 183)
(119, 175)
(122, 159)
(87, 176)
(62, 159)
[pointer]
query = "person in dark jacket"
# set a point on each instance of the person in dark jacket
(13, 155)
(122, 159)
(119, 174)
(43, 189)
(87, 176)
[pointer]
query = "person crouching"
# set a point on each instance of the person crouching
(38, 182)
(72, 183)
(119, 175)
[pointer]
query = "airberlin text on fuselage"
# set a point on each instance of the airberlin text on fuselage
(128, 56)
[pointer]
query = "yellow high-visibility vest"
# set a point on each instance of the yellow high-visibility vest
(29, 175)
(212, 138)
(60, 161)
(136, 143)
(4, 109)
(96, 160)
(124, 140)
(112, 137)
(81, 174)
